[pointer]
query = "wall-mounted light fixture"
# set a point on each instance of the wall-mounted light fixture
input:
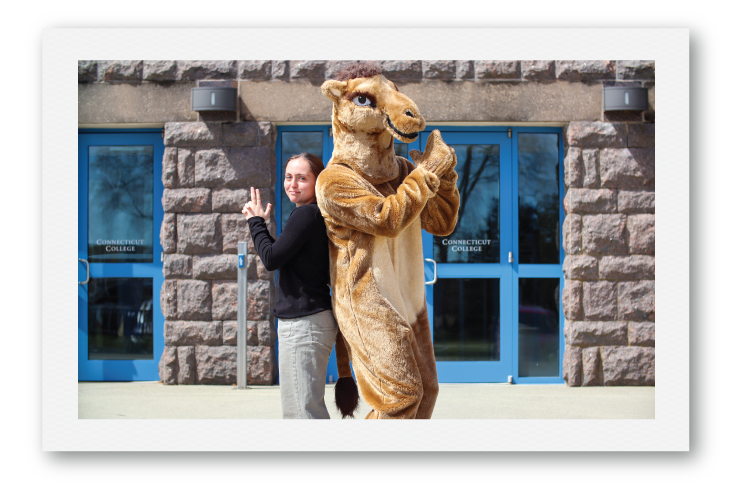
(625, 99)
(213, 99)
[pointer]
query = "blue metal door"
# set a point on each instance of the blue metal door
(469, 295)
(120, 324)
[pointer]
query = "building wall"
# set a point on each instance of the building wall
(211, 159)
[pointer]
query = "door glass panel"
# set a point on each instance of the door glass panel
(466, 319)
(476, 237)
(401, 149)
(120, 318)
(294, 143)
(538, 327)
(538, 198)
(121, 204)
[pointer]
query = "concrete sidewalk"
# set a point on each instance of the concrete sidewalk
(154, 400)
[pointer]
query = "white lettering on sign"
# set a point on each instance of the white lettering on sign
(119, 245)
(466, 245)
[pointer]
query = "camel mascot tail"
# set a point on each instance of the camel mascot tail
(346, 393)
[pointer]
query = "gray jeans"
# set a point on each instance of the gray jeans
(305, 345)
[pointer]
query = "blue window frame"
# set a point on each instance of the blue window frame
(120, 323)
(527, 339)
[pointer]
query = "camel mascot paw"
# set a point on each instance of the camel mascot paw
(375, 205)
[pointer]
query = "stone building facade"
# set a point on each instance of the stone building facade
(212, 158)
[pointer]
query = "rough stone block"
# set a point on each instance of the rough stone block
(577, 71)
(199, 233)
(234, 168)
(224, 295)
(596, 333)
(627, 168)
(402, 71)
(191, 200)
(590, 201)
(234, 228)
(591, 366)
(573, 168)
(169, 168)
(641, 229)
(280, 70)
(177, 266)
(465, 70)
(190, 333)
(218, 365)
(206, 70)
(168, 233)
(636, 202)
(642, 334)
(600, 300)
(267, 138)
(160, 71)
(220, 267)
(258, 333)
(168, 299)
(87, 71)
(261, 363)
(538, 70)
(169, 366)
(597, 135)
(572, 366)
(254, 70)
(630, 267)
(572, 228)
(192, 134)
(121, 71)
(308, 69)
(241, 134)
(591, 168)
(641, 135)
(572, 300)
(193, 300)
(497, 70)
(186, 356)
(636, 300)
(628, 365)
(232, 200)
(605, 234)
(581, 267)
(439, 70)
(185, 167)
(636, 70)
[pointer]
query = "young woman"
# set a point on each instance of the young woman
(307, 328)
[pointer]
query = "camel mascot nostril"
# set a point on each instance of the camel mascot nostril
(375, 205)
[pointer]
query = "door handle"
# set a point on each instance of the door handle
(87, 271)
(434, 264)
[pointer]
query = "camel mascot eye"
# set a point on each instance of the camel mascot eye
(375, 205)
(361, 100)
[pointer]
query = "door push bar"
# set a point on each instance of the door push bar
(87, 272)
(434, 266)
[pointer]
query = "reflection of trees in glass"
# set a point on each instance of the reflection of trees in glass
(121, 198)
(538, 198)
(293, 143)
(478, 168)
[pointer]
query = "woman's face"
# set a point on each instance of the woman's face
(299, 182)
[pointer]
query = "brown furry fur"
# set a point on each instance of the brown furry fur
(375, 205)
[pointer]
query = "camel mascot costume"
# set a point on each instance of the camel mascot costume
(375, 205)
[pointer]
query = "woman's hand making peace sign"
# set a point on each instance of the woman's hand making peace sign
(254, 208)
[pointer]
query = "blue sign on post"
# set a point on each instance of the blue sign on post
(242, 261)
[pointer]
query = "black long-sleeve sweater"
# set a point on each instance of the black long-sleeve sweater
(301, 256)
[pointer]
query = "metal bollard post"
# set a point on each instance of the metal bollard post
(242, 315)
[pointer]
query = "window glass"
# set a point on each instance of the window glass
(121, 204)
(538, 199)
(538, 327)
(476, 236)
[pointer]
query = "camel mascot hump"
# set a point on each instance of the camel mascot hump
(375, 205)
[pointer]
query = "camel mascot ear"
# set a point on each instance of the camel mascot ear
(333, 89)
